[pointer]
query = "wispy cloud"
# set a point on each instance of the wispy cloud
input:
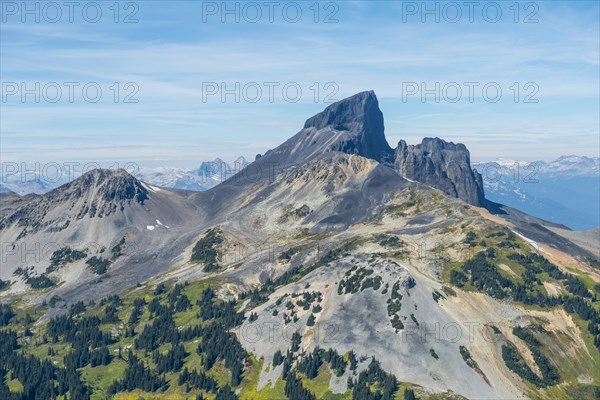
(170, 53)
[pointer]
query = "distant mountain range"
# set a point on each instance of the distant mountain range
(565, 191)
(208, 175)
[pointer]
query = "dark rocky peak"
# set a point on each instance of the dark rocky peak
(353, 125)
(343, 115)
(360, 116)
(103, 184)
(442, 165)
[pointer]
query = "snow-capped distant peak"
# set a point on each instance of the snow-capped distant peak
(504, 162)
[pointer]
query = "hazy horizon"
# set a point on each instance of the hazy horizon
(182, 82)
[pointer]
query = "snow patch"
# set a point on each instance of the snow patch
(533, 243)
(148, 187)
(151, 188)
(158, 225)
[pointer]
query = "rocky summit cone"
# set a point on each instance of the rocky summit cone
(108, 184)
(353, 125)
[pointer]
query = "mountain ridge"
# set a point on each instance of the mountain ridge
(355, 125)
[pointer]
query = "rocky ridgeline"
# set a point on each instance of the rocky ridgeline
(435, 162)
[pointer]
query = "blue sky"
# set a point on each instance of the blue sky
(177, 50)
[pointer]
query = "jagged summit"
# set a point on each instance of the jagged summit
(443, 165)
(361, 117)
(342, 115)
(353, 125)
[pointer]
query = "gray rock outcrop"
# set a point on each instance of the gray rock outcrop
(442, 165)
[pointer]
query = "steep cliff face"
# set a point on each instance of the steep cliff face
(442, 165)
(353, 125)
(362, 119)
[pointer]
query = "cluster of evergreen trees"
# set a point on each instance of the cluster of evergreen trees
(89, 341)
(63, 256)
(219, 344)
(294, 389)
(485, 276)
(310, 363)
(6, 314)
(466, 356)
(163, 330)
(5, 392)
(98, 265)
(206, 250)
(79, 332)
(394, 305)
(197, 380)
(374, 384)
(336, 361)
(136, 311)
(389, 241)
(81, 356)
(308, 298)
(138, 376)
(535, 264)
(41, 379)
(223, 312)
(550, 374)
(515, 363)
(117, 250)
(277, 358)
(359, 279)
(39, 281)
(172, 361)
(409, 394)
(216, 342)
(287, 255)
